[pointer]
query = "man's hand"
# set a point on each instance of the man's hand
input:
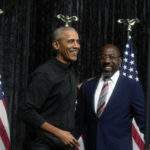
(67, 138)
(80, 84)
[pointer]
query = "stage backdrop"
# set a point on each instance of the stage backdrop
(25, 42)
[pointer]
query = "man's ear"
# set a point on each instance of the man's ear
(55, 45)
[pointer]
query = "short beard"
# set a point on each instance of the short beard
(107, 74)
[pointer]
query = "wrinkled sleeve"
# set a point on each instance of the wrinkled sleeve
(35, 97)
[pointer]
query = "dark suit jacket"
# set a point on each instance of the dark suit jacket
(112, 131)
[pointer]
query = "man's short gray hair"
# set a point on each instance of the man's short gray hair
(57, 33)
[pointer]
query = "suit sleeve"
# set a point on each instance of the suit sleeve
(138, 104)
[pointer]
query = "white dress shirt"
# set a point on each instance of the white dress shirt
(111, 83)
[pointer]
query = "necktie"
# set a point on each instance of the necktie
(102, 98)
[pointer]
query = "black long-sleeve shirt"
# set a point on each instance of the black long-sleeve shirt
(51, 96)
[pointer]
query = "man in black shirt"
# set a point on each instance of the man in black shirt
(50, 97)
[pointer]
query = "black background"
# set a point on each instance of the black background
(25, 42)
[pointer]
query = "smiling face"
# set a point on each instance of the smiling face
(67, 46)
(110, 60)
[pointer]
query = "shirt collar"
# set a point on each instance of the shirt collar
(115, 76)
(62, 65)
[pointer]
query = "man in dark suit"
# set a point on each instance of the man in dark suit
(107, 104)
(51, 95)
